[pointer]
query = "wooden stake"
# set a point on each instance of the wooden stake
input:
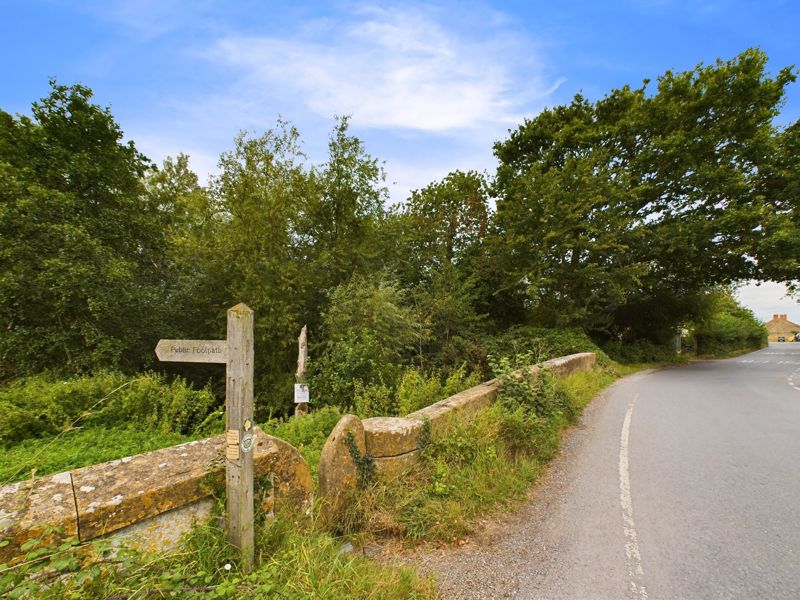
(300, 376)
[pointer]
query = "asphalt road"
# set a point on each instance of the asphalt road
(682, 483)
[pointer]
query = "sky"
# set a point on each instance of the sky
(429, 86)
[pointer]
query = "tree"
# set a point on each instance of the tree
(727, 326)
(447, 222)
(252, 251)
(80, 276)
(778, 253)
(615, 215)
(190, 225)
(339, 218)
(370, 335)
(443, 227)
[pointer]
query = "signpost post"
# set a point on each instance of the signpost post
(237, 353)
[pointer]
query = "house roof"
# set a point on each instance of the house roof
(780, 324)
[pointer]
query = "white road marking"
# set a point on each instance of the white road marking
(791, 380)
(632, 554)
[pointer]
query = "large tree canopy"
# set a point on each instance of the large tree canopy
(613, 215)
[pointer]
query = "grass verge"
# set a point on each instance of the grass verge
(480, 466)
(294, 563)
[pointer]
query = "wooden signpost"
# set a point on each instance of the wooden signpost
(237, 353)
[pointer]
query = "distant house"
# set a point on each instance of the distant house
(780, 326)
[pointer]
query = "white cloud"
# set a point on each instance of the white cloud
(398, 67)
(144, 19)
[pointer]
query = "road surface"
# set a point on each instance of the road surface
(682, 483)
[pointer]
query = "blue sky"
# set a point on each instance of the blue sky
(429, 86)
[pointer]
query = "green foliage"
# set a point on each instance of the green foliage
(252, 234)
(613, 215)
(81, 273)
(415, 390)
(374, 400)
(365, 464)
(779, 251)
(530, 390)
(538, 343)
(370, 334)
(80, 448)
(641, 351)
(307, 433)
(438, 239)
(444, 225)
(730, 328)
(342, 214)
(44, 405)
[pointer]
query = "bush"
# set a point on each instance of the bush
(41, 406)
(374, 400)
(416, 390)
(640, 351)
(535, 394)
(370, 336)
(729, 329)
(539, 343)
(307, 433)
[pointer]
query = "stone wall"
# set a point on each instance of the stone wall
(394, 442)
(149, 499)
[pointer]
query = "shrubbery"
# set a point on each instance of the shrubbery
(41, 406)
(640, 351)
(539, 343)
(307, 434)
(730, 328)
(414, 391)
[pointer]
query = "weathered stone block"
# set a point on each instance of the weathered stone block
(566, 365)
(459, 406)
(29, 508)
(119, 493)
(390, 468)
(338, 473)
(153, 497)
(391, 436)
(162, 531)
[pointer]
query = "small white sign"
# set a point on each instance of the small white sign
(301, 395)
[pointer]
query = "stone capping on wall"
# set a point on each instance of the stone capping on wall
(394, 442)
(103, 499)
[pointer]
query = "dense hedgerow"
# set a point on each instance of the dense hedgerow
(640, 351)
(730, 328)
